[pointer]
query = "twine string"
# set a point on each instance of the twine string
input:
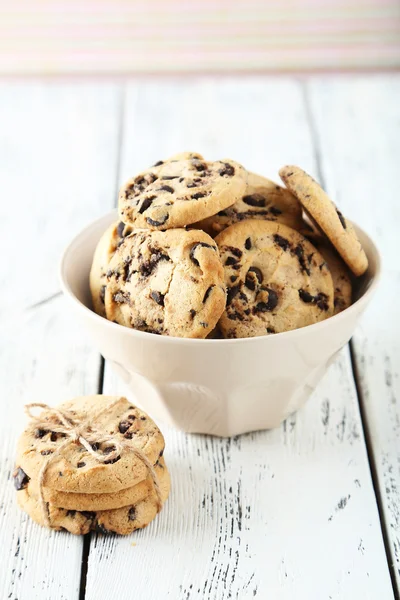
(83, 432)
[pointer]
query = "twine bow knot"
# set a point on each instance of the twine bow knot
(84, 433)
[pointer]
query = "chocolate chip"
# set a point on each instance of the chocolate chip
(166, 188)
(71, 513)
(299, 252)
(232, 292)
(247, 244)
(320, 299)
(157, 297)
(147, 202)
(231, 260)
(342, 219)
(169, 177)
(208, 292)
(247, 311)
(233, 278)
(306, 296)
(270, 304)
(252, 274)
(131, 417)
(254, 200)
(275, 211)
(21, 479)
(198, 195)
(88, 514)
(148, 267)
(122, 297)
(112, 461)
(129, 435)
(121, 229)
(80, 465)
(95, 447)
(132, 514)
(161, 453)
(236, 251)
(142, 418)
(109, 449)
(46, 452)
(157, 223)
(124, 426)
(103, 293)
(158, 163)
(39, 433)
(192, 313)
(199, 166)
(222, 213)
(227, 170)
(194, 248)
(281, 241)
(270, 330)
(203, 324)
(236, 267)
(53, 436)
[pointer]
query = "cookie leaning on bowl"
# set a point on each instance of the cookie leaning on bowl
(329, 219)
(262, 199)
(179, 191)
(276, 280)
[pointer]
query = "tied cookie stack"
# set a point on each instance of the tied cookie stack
(207, 249)
(95, 462)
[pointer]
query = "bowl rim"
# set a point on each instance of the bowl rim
(164, 339)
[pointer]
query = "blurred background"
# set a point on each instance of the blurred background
(120, 37)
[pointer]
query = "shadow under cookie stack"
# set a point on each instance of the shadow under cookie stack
(207, 249)
(93, 463)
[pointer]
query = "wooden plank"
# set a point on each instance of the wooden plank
(286, 513)
(358, 128)
(57, 172)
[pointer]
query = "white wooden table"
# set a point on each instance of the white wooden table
(310, 511)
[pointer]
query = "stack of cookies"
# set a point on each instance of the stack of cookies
(95, 462)
(207, 249)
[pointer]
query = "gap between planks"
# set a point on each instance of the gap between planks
(120, 133)
(373, 470)
(363, 417)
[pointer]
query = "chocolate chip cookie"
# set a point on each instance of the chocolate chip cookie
(262, 199)
(105, 249)
(166, 282)
(91, 502)
(276, 280)
(180, 191)
(76, 470)
(123, 520)
(329, 219)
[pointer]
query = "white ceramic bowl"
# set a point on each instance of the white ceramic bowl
(220, 387)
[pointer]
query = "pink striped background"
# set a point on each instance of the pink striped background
(129, 36)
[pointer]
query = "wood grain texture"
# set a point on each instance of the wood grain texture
(57, 170)
(281, 514)
(358, 131)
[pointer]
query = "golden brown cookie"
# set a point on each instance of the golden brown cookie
(91, 502)
(105, 249)
(76, 470)
(179, 191)
(329, 219)
(276, 280)
(340, 273)
(166, 282)
(122, 520)
(262, 199)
